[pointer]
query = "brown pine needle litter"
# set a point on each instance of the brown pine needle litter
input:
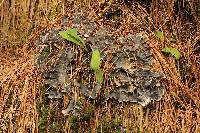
(24, 106)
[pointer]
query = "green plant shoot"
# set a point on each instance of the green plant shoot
(159, 34)
(173, 51)
(99, 75)
(71, 35)
(95, 65)
(96, 60)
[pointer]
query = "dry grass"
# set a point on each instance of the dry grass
(18, 93)
(179, 109)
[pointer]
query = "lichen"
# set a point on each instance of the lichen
(133, 79)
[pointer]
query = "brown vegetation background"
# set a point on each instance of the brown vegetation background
(179, 109)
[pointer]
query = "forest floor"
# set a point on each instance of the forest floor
(24, 105)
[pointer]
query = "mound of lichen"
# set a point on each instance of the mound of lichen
(126, 62)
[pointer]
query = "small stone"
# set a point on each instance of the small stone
(86, 35)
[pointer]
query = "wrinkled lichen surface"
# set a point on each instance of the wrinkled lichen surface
(126, 62)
